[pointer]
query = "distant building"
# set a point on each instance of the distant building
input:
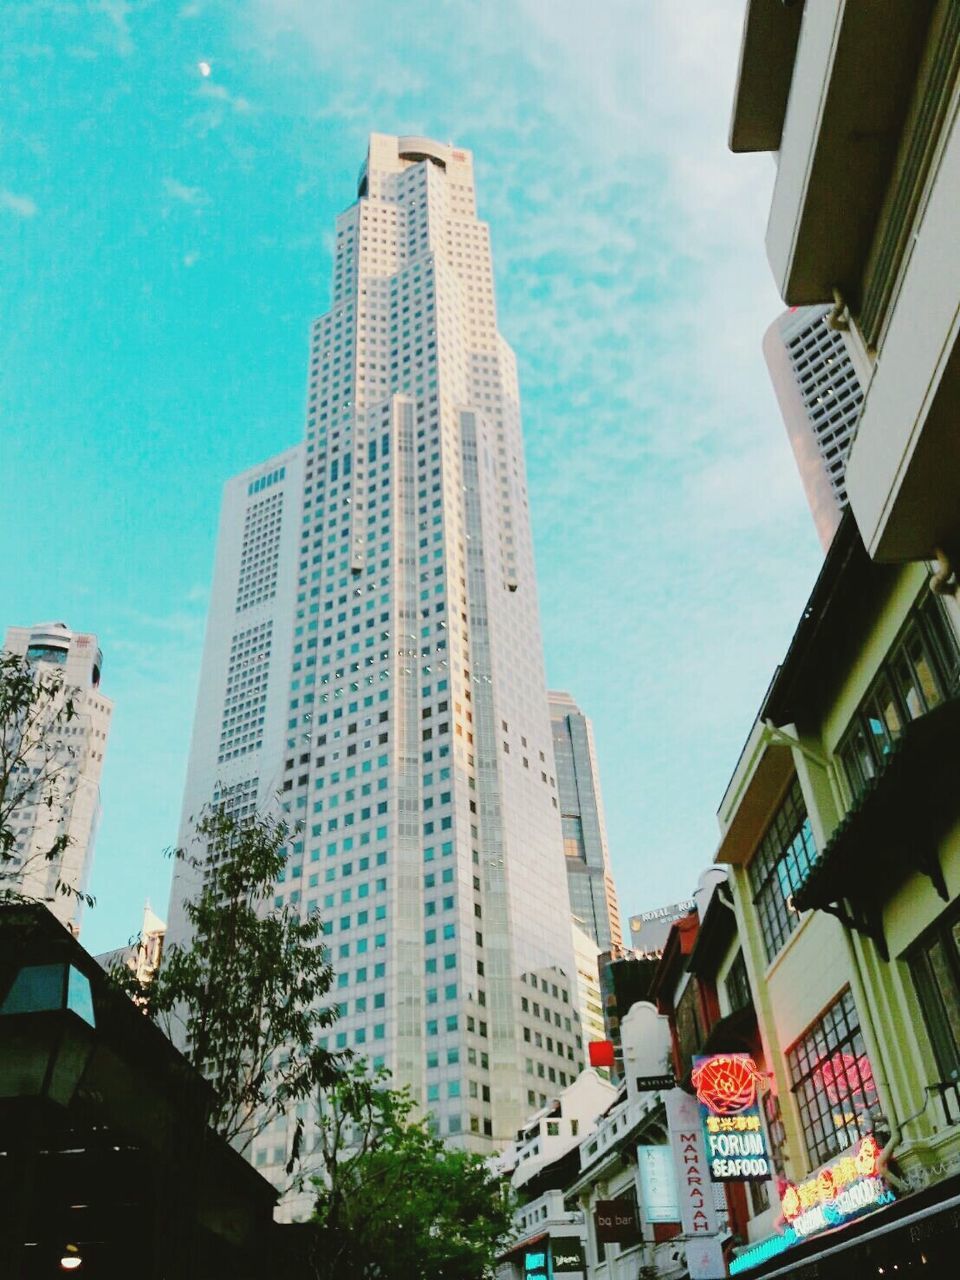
(144, 954)
(593, 898)
(79, 754)
(820, 398)
(625, 979)
(649, 929)
(589, 1001)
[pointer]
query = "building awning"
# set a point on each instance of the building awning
(893, 828)
(521, 1246)
(734, 1033)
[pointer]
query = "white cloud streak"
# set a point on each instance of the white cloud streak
(21, 205)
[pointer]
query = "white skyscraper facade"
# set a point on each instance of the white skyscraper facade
(75, 757)
(820, 397)
(382, 672)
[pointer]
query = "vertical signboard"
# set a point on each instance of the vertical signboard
(536, 1265)
(698, 1213)
(658, 1184)
(726, 1085)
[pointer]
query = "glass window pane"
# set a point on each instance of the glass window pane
(909, 687)
(923, 671)
(944, 978)
(80, 996)
(886, 704)
(36, 988)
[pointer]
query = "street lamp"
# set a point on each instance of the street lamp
(46, 1033)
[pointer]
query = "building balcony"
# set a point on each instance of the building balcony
(850, 88)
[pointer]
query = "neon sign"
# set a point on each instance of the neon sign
(726, 1086)
(726, 1083)
(845, 1076)
(535, 1264)
(837, 1192)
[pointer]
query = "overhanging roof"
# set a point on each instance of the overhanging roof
(771, 29)
(848, 584)
(894, 826)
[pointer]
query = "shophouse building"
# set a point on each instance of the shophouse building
(841, 829)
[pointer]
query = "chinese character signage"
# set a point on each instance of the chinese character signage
(726, 1085)
(658, 1184)
(840, 1190)
(836, 1193)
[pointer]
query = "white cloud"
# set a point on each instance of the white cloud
(22, 206)
(196, 197)
(220, 93)
(118, 13)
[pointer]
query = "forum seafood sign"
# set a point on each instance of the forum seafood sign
(726, 1085)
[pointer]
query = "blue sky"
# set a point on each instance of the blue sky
(165, 240)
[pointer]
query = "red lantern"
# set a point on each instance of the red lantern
(726, 1083)
(601, 1053)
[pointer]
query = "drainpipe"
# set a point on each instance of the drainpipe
(944, 581)
(838, 319)
(883, 1159)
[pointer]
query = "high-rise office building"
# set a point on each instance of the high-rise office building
(593, 898)
(820, 398)
(76, 757)
(373, 665)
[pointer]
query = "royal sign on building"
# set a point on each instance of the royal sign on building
(736, 1145)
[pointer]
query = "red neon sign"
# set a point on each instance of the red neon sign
(726, 1083)
(845, 1076)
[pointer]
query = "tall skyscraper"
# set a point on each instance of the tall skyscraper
(820, 398)
(373, 659)
(78, 759)
(593, 898)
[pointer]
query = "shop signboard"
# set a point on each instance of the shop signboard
(838, 1191)
(536, 1261)
(658, 1184)
(616, 1221)
(566, 1253)
(847, 1187)
(726, 1085)
(698, 1213)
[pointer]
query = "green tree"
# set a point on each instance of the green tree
(38, 776)
(244, 997)
(395, 1202)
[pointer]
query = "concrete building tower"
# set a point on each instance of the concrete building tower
(820, 398)
(593, 898)
(373, 666)
(78, 758)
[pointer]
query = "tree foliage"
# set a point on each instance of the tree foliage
(37, 771)
(395, 1202)
(244, 996)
